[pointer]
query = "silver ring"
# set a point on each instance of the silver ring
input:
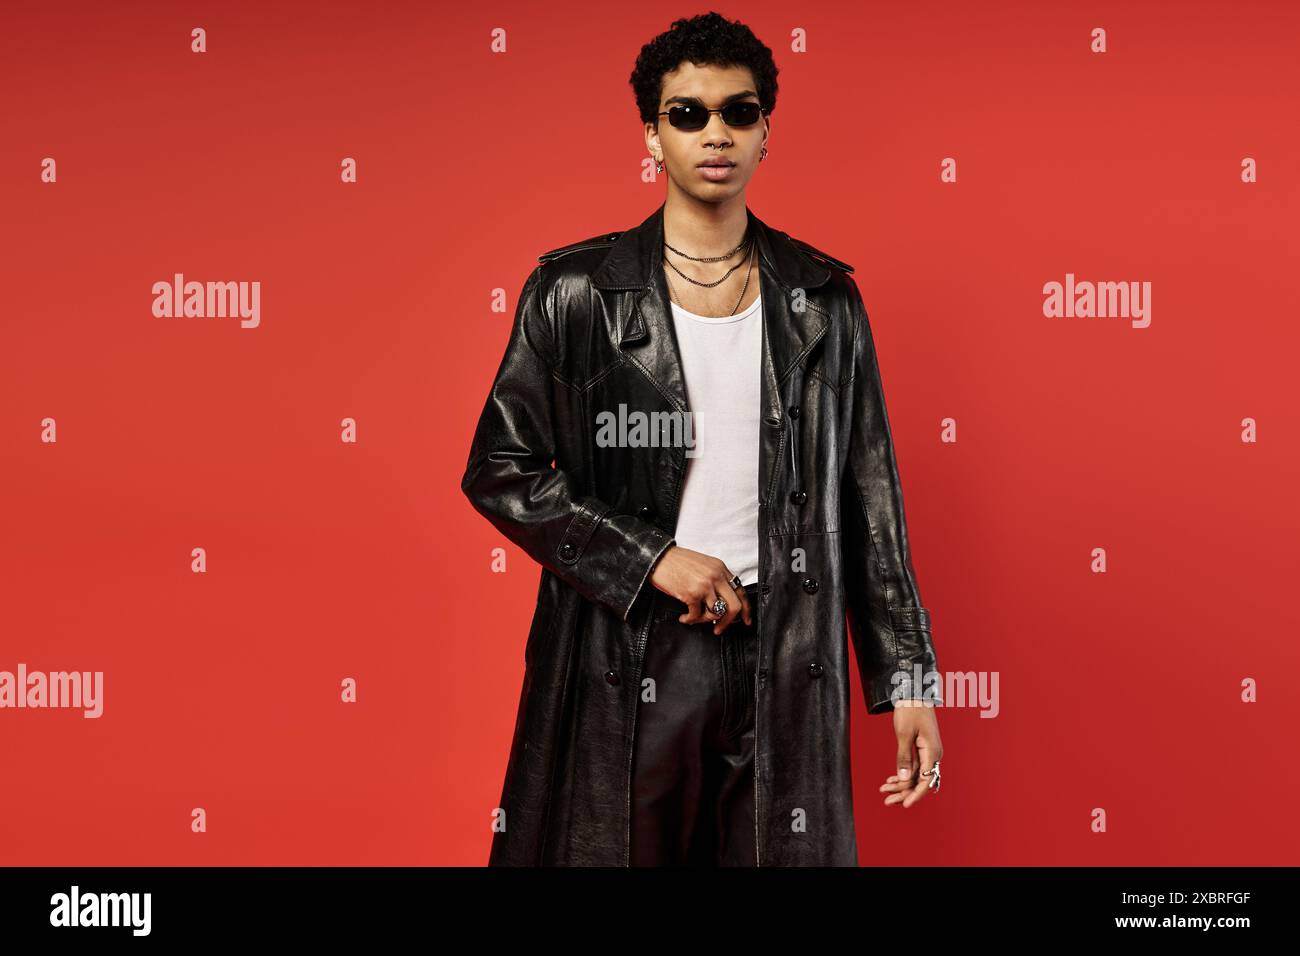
(933, 771)
(735, 582)
(719, 607)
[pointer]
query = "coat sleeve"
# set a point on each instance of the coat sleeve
(888, 625)
(511, 478)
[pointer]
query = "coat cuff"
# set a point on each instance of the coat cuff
(914, 675)
(645, 575)
(609, 555)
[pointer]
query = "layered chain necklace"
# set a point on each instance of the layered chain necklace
(749, 257)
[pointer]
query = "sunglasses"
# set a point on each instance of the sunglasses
(693, 117)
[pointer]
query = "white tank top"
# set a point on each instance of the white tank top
(721, 360)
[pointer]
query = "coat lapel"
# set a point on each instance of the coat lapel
(647, 336)
(635, 262)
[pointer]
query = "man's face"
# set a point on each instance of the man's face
(684, 151)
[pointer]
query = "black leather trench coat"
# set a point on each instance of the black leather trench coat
(592, 330)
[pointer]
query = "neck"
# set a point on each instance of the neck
(702, 228)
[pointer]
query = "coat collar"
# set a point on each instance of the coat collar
(637, 256)
(635, 262)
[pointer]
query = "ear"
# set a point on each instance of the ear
(652, 139)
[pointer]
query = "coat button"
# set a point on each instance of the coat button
(611, 677)
(810, 585)
(764, 588)
(815, 670)
(794, 411)
(798, 497)
(567, 550)
(646, 512)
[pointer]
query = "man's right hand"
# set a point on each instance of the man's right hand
(697, 580)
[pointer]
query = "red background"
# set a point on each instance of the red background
(327, 560)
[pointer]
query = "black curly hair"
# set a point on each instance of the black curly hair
(709, 39)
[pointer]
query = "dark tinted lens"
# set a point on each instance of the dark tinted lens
(741, 114)
(688, 117)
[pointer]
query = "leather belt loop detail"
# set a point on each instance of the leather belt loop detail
(909, 618)
(580, 530)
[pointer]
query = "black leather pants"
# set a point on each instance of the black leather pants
(693, 751)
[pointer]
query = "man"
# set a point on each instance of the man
(688, 432)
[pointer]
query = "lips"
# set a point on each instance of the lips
(716, 172)
(715, 162)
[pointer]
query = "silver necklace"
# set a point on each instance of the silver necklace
(749, 258)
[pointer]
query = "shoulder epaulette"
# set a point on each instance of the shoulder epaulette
(595, 242)
(817, 253)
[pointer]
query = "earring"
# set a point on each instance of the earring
(762, 155)
(659, 165)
